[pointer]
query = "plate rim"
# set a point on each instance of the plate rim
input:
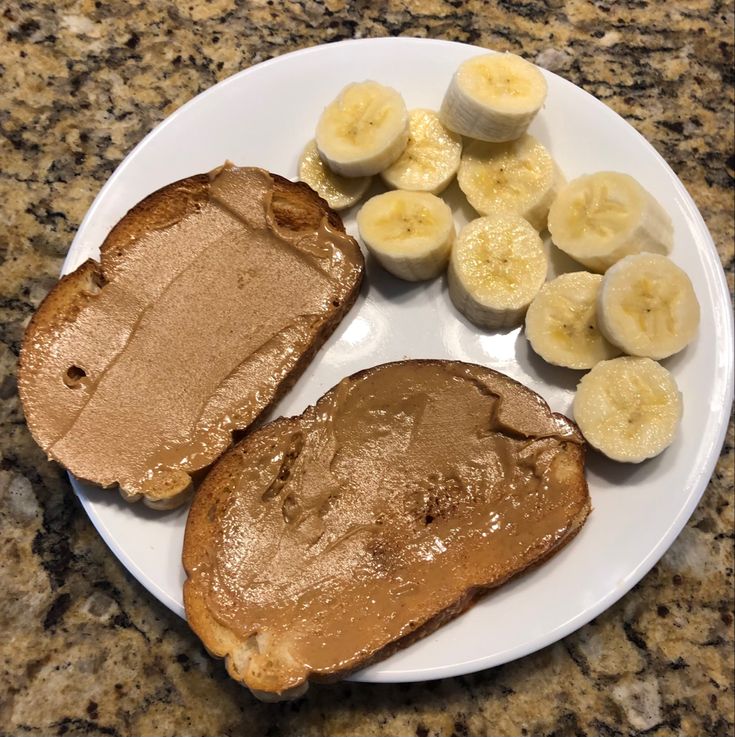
(716, 283)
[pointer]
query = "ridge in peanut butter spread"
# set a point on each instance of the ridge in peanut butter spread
(202, 307)
(321, 541)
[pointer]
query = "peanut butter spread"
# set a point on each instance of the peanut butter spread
(197, 315)
(320, 540)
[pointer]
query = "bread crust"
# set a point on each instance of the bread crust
(221, 642)
(295, 207)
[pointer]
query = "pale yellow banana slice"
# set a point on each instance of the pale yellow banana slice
(647, 306)
(409, 233)
(364, 130)
(430, 159)
(518, 177)
(497, 267)
(339, 192)
(493, 97)
(599, 218)
(561, 322)
(628, 408)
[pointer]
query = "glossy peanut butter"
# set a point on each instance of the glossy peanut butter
(321, 540)
(185, 333)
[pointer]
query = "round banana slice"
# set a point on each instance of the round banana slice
(517, 177)
(493, 97)
(409, 233)
(339, 192)
(430, 159)
(496, 268)
(561, 322)
(599, 218)
(647, 306)
(628, 408)
(364, 130)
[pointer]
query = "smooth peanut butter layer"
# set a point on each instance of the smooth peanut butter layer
(328, 540)
(210, 297)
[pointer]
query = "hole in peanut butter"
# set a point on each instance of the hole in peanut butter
(335, 303)
(251, 644)
(429, 519)
(284, 471)
(73, 376)
(328, 502)
(290, 508)
(95, 283)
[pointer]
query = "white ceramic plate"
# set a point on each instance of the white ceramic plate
(262, 116)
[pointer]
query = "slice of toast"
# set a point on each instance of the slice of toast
(210, 298)
(324, 542)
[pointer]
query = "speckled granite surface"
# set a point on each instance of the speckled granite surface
(84, 649)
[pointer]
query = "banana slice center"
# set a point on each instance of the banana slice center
(506, 176)
(499, 267)
(362, 120)
(596, 211)
(649, 305)
(501, 260)
(400, 222)
(574, 320)
(423, 154)
(503, 83)
(636, 403)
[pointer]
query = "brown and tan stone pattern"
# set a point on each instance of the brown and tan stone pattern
(84, 649)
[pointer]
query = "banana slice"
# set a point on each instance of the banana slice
(431, 157)
(339, 192)
(517, 177)
(647, 306)
(497, 267)
(493, 97)
(628, 408)
(561, 322)
(409, 233)
(364, 130)
(599, 218)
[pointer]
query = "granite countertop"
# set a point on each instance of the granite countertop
(85, 649)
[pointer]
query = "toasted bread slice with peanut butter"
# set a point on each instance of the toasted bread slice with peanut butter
(324, 542)
(210, 298)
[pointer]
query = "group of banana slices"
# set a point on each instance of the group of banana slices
(632, 300)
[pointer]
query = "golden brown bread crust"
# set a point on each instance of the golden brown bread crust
(295, 207)
(221, 641)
